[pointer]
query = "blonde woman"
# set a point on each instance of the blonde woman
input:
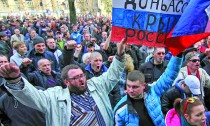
(129, 66)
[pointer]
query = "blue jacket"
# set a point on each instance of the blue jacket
(207, 118)
(89, 73)
(125, 115)
(76, 36)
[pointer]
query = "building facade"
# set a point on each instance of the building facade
(55, 8)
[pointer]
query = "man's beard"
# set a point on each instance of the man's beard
(76, 90)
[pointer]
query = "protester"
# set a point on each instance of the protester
(66, 36)
(129, 67)
(14, 113)
(52, 47)
(44, 77)
(133, 51)
(143, 107)
(29, 41)
(39, 52)
(96, 36)
(59, 40)
(76, 35)
(17, 36)
(85, 59)
(187, 112)
(20, 54)
(5, 30)
(95, 68)
(155, 67)
(5, 48)
(188, 87)
(192, 67)
(64, 106)
(50, 34)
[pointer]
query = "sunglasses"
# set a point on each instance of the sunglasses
(189, 100)
(195, 60)
(159, 53)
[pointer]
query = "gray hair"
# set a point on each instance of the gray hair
(85, 56)
(43, 59)
(95, 54)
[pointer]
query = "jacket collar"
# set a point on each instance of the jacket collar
(164, 63)
(65, 95)
(103, 68)
(33, 52)
(130, 106)
(177, 86)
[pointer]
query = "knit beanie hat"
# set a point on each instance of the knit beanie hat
(38, 40)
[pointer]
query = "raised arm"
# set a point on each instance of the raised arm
(108, 40)
(22, 90)
(167, 78)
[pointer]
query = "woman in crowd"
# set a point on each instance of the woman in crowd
(188, 112)
(20, 53)
(5, 30)
(129, 66)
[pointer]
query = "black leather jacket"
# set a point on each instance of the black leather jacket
(149, 70)
(169, 97)
(14, 113)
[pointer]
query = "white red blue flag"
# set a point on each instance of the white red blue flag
(191, 27)
(150, 22)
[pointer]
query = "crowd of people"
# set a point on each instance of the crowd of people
(55, 73)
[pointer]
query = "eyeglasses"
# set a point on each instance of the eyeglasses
(77, 77)
(189, 100)
(159, 53)
(195, 60)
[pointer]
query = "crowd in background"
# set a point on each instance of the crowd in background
(147, 89)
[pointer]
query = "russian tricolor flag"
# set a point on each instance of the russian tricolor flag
(191, 27)
(145, 22)
(149, 22)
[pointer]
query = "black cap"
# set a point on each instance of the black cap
(191, 49)
(58, 32)
(88, 44)
(65, 33)
(2, 34)
(38, 40)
